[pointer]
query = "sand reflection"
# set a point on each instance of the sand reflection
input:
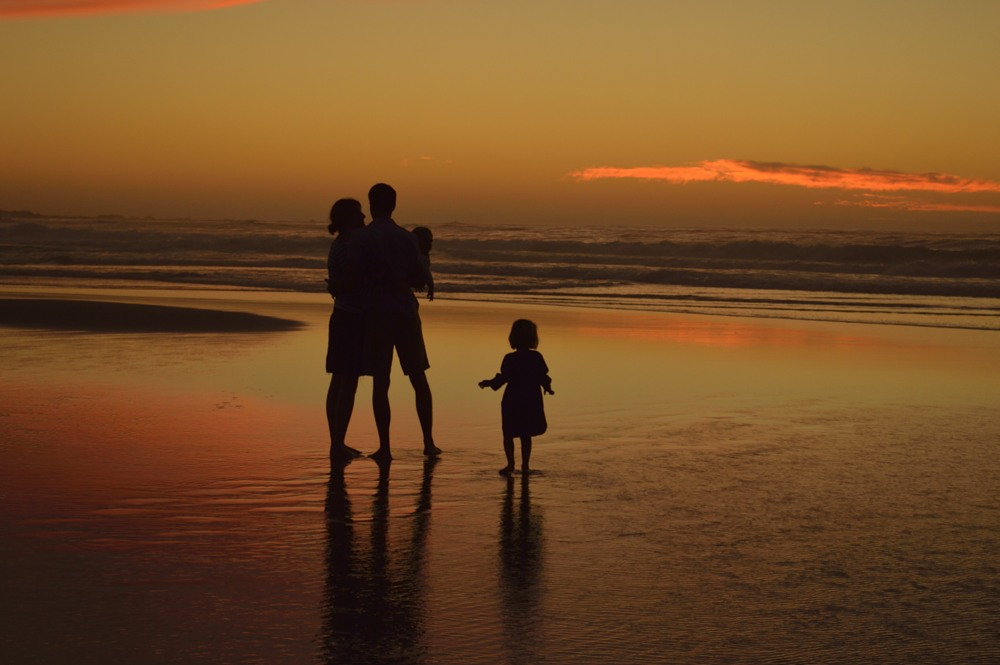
(521, 564)
(375, 600)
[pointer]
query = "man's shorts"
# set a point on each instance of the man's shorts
(345, 343)
(385, 332)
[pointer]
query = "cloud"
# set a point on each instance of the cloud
(52, 8)
(814, 177)
(899, 203)
(423, 160)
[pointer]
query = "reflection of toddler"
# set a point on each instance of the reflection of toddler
(424, 241)
(526, 376)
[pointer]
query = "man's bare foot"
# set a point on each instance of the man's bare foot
(507, 470)
(431, 450)
(381, 456)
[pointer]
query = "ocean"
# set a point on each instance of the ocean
(927, 279)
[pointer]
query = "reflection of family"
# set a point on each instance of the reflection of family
(372, 272)
(374, 601)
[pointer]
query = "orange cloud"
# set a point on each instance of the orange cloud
(43, 8)
(816, 177)
(897, 203)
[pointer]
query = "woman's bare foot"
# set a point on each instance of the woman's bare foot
(431, 450)
(343, 453)
(507, 470)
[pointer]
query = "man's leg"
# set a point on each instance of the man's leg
(378, 363)
(425, 410)
(383, 414)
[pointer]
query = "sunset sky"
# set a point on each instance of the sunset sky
(867, 114)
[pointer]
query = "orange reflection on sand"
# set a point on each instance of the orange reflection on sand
(99, 438)
(729, 334)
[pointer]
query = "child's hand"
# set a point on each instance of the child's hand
(484, 384)
(550, 391)
(430, 293)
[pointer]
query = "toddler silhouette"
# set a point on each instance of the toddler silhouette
(525, 374)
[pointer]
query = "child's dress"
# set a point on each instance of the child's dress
(525, 374)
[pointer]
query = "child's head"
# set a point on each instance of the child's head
(424, 239)
(345, 216)
(523, 335)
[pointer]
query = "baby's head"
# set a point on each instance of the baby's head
(523, 335)
(424, 239)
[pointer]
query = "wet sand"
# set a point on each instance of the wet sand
(711, 490)
(100, 316)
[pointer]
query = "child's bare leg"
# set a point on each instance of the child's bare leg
(525, 454)
(508, 449)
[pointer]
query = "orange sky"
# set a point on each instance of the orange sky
(871, 114)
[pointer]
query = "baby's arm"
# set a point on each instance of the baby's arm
(425, 275)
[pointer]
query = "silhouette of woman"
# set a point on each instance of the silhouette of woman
(346, 335)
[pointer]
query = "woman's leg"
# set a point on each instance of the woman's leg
(341, 394)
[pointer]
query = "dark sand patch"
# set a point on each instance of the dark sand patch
(93, 316)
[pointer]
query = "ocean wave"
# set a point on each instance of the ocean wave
(659, 267)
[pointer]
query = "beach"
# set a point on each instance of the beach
(712, 489)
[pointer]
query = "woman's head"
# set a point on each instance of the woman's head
(523, 335)
(345, 216)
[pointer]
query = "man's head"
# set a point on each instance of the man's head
(381, 200)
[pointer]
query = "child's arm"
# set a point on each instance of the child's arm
(544, 381)
(496, 383)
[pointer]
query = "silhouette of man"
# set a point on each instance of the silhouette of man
(391, 261)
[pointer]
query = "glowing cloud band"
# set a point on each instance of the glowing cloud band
(896, 203)
(816, 177)
(52, 8)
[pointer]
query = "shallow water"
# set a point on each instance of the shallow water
(710, 490)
